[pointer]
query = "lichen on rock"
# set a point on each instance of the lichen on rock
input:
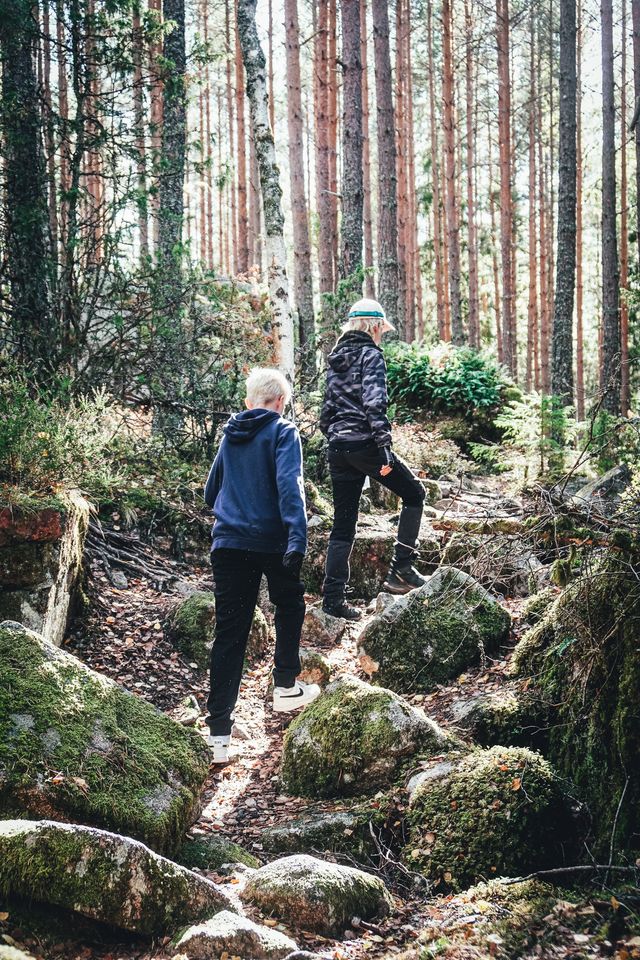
(431, 635)
(496, 812)
(211, 852)
(509, 716)
(345, 832)
(103, 876)
(123, 764)
(191, 627)
(231, 935)
(500, 563)
(353, 739)
(316, 895)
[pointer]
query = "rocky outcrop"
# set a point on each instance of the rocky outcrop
(231, 935)
(314, 668)
(431, 635)
(315, 895)
(191, 627)
(509, 716)
(497, 812)
(41, 563)
(103, 876)
(603, 495)
(352, 739)
(212, 852)
(76, 746)
(320, 629)
(347, 832)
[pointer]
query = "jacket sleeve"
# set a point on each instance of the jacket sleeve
(374, 398)
(290, 484)
(214, 481)
(326, 414)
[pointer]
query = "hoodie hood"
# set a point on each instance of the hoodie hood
(348, 349)
(242, 427)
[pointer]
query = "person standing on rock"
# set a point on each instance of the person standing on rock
(256, 491)
(354, 421)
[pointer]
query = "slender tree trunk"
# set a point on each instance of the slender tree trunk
(532, 304)
(472, 239)
(635, 14)
(323, 198)
(272, 99)
(415, 293)
(506, 203)
(63, 110)
(494, 257)
(579, 268)
(562, 372)
(232, 152)
(209, 144)
(333, 131)
(25, 192)
(401, 169)
(451, 197)
(625, 399)
(610, 367)
(255, 67)
(302, 247)
(155, 114)
(370, 288)
(49, 130)
(352, 167)
(139, 121)
(241, 159)
(445, 256)
(387, 183)
(255, 212)
(435, 183)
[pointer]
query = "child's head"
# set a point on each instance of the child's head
(267, 389)
(368, 316)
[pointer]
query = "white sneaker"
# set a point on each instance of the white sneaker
(295, 697)
(220, 747)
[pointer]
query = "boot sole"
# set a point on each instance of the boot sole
(398, 591)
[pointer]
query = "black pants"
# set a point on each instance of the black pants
(237, 575)
(348, 469)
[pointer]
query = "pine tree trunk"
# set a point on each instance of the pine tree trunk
(451, 197)
(532, 303)
(232, 152)
(139, 121)
(497, 305)
(610, 366)
(49, 130)
(323, 198)
(208, 173)
(370, 287)
(435, 184)
(352, 167)
(155, 114)
(625, 398)
(562, 370)
(387, 183)
(510, 345)
(333, 131)
(401, 168)
(635, 14)
(472, 239)
(241, 159)
(414, 305)
(276, 259)
(579, 268)
(302, 248)
(27, 261)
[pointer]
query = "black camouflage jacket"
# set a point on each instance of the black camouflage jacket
(355, 400)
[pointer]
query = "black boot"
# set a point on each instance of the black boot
(340, 608)
(403, 578)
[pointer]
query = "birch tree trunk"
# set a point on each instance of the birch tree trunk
(352, 172)
(276, 260)
(562, 363)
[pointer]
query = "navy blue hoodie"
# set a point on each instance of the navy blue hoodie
(255, 485)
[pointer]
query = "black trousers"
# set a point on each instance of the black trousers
(237, 575)
(348, 469)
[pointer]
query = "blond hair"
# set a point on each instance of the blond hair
(364, 324)
(265, 385)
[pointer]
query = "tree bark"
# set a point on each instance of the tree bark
(25, 182)
(241, 160)
(635, 15)
(625, 398)
(532, 303)
(323, 198)
(435, 183)
(562, 369)
(333, 131)
(506, 201)
(610, 380)
(302, 275)
(141, 146)
(451, 199)
(401, 169)
(415, 292)
(579, 269)
(497, 305)
(155, 113)
(370, 287)
(255, 67)
(232, 151)
(387, 183)
(472, 237)
(352, 166)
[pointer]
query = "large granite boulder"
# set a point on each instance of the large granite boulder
(491, 813)
(41, 563)
(76, 746)
(501, 563)
(315, 895)
(213, 852)
(603, 495)
(350, 832)
(234, 936)
(353, 739)
(103, 876)
(431, 635)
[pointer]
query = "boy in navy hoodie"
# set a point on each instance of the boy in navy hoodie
(256, 491)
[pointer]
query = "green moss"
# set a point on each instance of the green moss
(536, 606)
(584, 665)
(510, 717)
(192, 627)
(212, 852)
(498, 812)
(118, 761)
(352, 739)
(433, 634)
(344, 833)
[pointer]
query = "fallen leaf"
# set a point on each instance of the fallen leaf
(516, 783)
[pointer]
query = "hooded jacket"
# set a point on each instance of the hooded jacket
(355, 400)
(255, 486)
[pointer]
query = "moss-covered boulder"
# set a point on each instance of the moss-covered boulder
(431, 635)
(315, 895)
(536, 606)
(497, 812)
(500, 563)
(583, 662)
(321, 629)
(340, 832)
(103, 876)
(212, 852)
(12, 953)
(76, 746)
(353, 739)
(509, 716)
(191, 626)
(228, 934)
(314, 668)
